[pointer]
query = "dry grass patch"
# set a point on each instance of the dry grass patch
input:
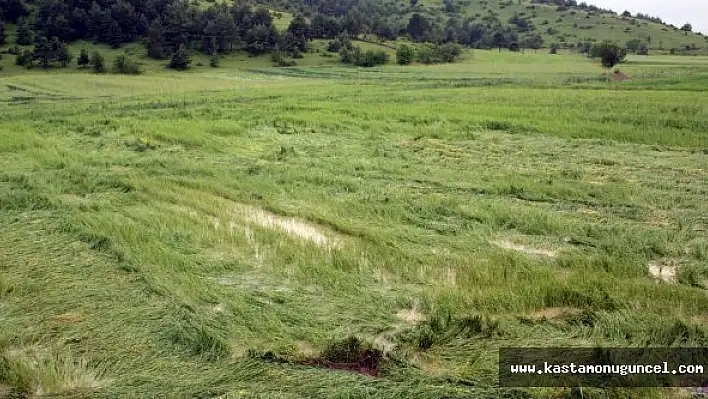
(664, 270)
(293, 226)
(525, 249)
(553, 313)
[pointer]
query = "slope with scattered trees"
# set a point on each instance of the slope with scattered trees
(170, 29)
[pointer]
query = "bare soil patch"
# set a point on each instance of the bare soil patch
(525, 249)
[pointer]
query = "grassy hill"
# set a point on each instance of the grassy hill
(220, 232)
(571, 25)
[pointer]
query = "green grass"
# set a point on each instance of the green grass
(203, 233)
(573, 26)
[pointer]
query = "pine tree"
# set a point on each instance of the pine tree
(83, 60)
(64, 55)
(43, 52)
(2, 33)
(25, 36)
(180, 60)
(115, 35)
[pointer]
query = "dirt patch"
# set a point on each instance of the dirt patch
(618, 76)
(350, 354)
(663, 271)
(525, 249)
(553, 313)
(292, 226)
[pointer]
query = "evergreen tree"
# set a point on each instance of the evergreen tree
(25, 36)
(98, 64)
(180, 60)
(43, 52)
(115, 35)
(2, 32)
(83, 60)
(156, 46)
(64, 55)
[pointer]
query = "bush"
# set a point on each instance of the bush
(434, 54)
(215, 60)
(180, 60)
(368, 58)
(404, 54)
(83, 60)
(428, 55)
(279, 61)
(449, 52)
(610, 53)
(334, 46)
(25, 59)
(123, 64)
(98, 64)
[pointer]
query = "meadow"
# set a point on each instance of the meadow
(219, 232)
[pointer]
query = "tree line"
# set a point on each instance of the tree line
(165, 26)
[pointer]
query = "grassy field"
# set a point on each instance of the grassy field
(216, 233)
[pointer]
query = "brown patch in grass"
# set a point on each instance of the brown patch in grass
(527, 250)
(663, 271)
(618, 76)
(304, 349)
(292, 226)
(410, 316)
(553, 313)
(351, 355)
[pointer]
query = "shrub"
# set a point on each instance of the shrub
(334, 46)
(368, 58)
(215, 60)
(83, 60)
(610, 54)
(404, 54)
(180, 60)
(123, 64)
(449, 52)
(25, 59)
(98, 63)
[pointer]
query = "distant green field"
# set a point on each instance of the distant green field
(213, 233)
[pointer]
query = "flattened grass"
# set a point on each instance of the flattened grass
(127, 251)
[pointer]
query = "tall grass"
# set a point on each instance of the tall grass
(135, 256)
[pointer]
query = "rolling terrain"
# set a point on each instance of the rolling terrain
(224, 232)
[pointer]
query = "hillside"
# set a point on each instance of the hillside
(164, 27)
(562, 22)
